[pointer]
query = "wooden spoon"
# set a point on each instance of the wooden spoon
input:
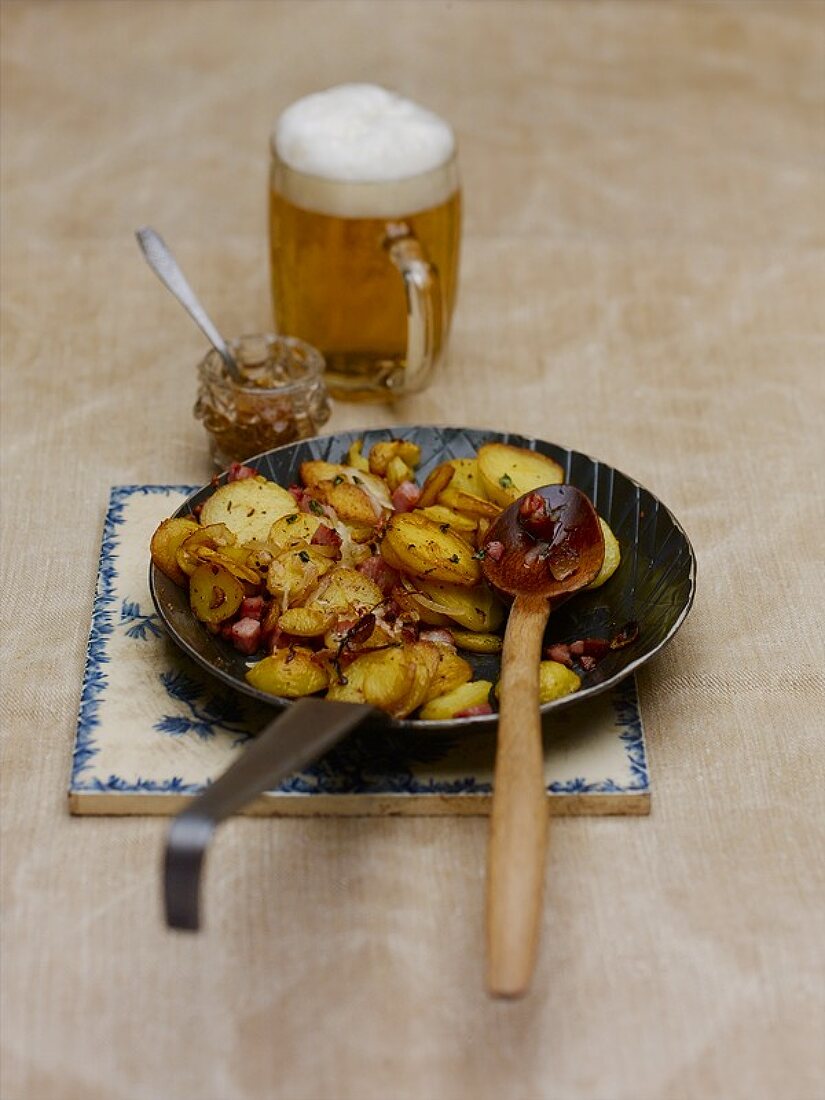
(542, 548)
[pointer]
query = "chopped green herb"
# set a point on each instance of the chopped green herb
(454, 558)
(480, 555)
(506, 482)
(444, 527)
(338, 479)
(303, 555)
(316, 508)
(292, 519)
(356, 480)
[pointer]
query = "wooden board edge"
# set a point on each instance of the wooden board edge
(126, 803)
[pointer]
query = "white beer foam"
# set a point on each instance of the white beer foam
(362, 133)
(360, 151)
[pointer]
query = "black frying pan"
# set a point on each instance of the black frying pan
(654, 586)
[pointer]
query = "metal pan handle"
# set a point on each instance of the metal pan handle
(303, 733)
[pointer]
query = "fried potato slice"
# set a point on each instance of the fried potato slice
(612, 557)
(424, 657)
(397, 472)
(259, 556)
(292, 673)
(451, 672)
(382, 677)
(409, 451)
(294, 528)
(474, 608)
(467, 476)
(462, 501)
(295, 572)
(306, 622)
(415, 545)
(443, 707)
(555, 681)
(460, 524)
(248, 507)
(382, 453)
(436, 481)
(166, 542)
(346, 690)
(214, 594)
(477, 643)
(346, 590)
(507, 472)
(355, 458)
(232, 562)
(352, 504)
(216, 536)
(316, 471)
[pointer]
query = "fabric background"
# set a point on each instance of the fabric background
(642, 278)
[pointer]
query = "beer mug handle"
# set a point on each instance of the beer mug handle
(425, 311)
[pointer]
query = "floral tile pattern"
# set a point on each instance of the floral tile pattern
(154, 727)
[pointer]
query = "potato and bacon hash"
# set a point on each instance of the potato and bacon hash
(358, 583)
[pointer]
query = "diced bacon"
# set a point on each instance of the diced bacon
(377, 570)
(245, 635)
(532, 505)
(559, 653)
(586, 652)
(439, 636)
(252, 607)
(473, 712)
(237, 472)
(405, 497)
(326, 536)
(537, 517)
(494, 550)
(297, 492)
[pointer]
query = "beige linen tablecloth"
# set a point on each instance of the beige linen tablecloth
(642, 279)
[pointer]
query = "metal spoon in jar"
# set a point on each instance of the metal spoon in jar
(164, 265)
(547, 545)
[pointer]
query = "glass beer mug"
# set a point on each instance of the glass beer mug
(364, 226)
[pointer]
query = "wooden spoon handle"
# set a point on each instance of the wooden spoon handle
(518, 823)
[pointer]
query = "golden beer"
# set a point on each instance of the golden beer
(365, 269)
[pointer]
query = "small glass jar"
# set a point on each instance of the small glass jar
(282, 398)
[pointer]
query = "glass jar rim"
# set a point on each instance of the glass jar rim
(313, 362)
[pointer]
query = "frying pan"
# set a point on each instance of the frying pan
(654, 586)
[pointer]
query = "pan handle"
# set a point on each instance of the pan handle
(303, 733)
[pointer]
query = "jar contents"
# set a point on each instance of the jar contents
(282, 397)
